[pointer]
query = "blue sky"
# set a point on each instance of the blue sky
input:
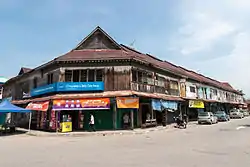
(195, 34)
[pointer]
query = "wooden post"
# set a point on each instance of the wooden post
(114, 117)
(132, 118)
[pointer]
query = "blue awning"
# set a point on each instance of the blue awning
(7, 107)
(156, 105)
(169, 105)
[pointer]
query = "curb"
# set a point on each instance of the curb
(112, 133)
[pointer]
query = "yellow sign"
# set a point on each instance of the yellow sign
(66, 126)
(196, 104)
(127, 102)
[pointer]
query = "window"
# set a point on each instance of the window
(68, 75)
(83, 75)
(174, 85)
(192, 89)
(160, 81)
(50, 78)
(139, 77)
(215, 92)
(91, 76)
(134, 76)
(99, 75)
(76, 75)
(35, 82)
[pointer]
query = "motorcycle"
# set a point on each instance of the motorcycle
(180, 123)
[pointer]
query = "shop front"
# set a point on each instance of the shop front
(40, 116)
(127, 111)
(75, 115)
(165, 111)
(195, 106)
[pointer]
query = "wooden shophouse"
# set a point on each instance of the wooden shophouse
(102, 78)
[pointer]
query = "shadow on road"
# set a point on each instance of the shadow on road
(246, 125)
(5, 134)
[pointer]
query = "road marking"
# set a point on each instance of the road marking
(240, 127)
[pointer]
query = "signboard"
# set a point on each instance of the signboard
(38, 106)
(68, 87)
(79, 86)
(82, 104)
(66, 126)
(127, 102)
(196, 104)
(43, 90)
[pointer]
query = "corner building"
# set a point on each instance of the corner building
(121, 87)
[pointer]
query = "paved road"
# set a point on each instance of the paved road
(220, 145)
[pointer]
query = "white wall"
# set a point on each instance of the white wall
(191, 94)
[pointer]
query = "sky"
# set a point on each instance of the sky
(211, 37)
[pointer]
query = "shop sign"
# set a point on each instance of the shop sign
(196, 104)
(68, 87)
(43, 90)
(38, 106)
(127, 102)
(66, 126)
(79, 86)
(82, 104)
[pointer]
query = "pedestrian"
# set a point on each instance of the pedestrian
(92, 123)
(125, 121)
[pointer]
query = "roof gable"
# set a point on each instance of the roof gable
(97, 39)
(24, 70)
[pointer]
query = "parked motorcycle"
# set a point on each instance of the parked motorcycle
(180, 123)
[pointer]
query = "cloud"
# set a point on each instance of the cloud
(207, 25)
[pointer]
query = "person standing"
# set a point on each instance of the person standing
(125, 121)
(92, 123)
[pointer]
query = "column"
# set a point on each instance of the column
(132, 118)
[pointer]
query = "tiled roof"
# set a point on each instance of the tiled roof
(125, 52)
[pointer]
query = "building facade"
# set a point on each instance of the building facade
(119, 86)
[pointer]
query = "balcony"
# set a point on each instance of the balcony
(142, 87)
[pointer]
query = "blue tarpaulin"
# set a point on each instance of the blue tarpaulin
(7, 107)
(169, 105)
(156, 104)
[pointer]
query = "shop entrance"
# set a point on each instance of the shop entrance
(148, 116)
(70, 116)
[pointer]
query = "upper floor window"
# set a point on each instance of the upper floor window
(142, 77)
(174, 85)
(88, 75)
(50, 78)
(160, 81)
(215, 92)
(35, 82)
(174, 88)
(192, 89)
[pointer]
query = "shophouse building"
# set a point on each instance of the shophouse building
(121, 87)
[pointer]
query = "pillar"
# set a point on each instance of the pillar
(114, 116)
(132, 118)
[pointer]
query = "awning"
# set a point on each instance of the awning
(38, 106)
(169, 105)
(156, 104)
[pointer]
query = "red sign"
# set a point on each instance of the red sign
(38, 106)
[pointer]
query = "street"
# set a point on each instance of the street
(219, 145)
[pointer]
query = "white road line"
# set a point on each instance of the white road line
(240, 127)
